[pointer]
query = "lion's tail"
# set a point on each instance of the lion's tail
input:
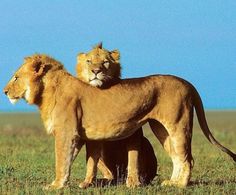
(203, 124)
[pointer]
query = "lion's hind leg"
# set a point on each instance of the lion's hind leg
(181, 137)
(182, 160)
(178, 147)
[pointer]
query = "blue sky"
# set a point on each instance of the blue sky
(195, 40)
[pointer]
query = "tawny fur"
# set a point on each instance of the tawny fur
(76, 110)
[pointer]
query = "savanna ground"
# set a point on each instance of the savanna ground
(27, 160)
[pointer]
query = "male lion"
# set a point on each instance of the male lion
(72, 109)
(101, 68)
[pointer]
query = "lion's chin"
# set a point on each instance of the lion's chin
(96, 83)
(13, 100)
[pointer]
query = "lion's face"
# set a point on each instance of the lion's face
(25, 83)
(16, 87)
(98, 67)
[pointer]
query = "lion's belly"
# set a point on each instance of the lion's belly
(110, 132)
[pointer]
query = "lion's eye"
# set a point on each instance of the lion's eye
(88, 61)
(106, 64)
(15, 78)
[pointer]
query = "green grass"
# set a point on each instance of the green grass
(27, 160)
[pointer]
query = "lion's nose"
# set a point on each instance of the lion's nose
(96, 71)
(5, 91)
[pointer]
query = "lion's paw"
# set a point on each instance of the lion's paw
(108, 177)
(132, 182)
(84, 184)
(173, 183)
(167, 183)
(54, 186)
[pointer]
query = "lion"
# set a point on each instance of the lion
(101, 68)
(72, 110)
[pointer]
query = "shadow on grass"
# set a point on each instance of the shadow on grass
(208, 183)
(114, 182)
(107, 183)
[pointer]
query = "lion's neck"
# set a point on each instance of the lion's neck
(52, 83)
(57, 85)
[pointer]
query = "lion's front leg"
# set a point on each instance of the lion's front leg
(93, 150)
(65, 143)
(133, 147)
(106, 172)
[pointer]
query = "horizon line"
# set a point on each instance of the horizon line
(37, 111)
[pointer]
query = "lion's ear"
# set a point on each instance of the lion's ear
(26, 59)
(80, 56)
(115, 54)
(98, 46)
(39, 68)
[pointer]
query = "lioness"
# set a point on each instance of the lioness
(101, 68)
(72, 109)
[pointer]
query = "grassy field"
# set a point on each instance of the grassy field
(27, 160)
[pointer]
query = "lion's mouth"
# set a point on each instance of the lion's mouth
(13, 100)
(95, 82)
(94, 79)
(25, 95)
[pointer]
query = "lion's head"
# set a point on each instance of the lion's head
(99, 66)
(27, 82)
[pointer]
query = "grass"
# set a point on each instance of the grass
(27, 160)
